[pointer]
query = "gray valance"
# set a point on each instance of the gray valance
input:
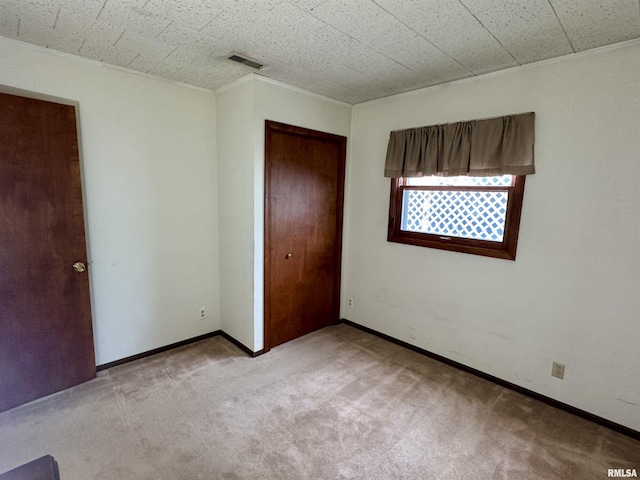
(478, 148)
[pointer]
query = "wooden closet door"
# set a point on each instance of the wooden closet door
(46, 336)
(304, 191)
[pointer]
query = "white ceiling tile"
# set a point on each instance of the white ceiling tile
(349, 15)
(33, 31)
(10, 6)
(56, 39)
(312, 80)
(9, 25)
(194, 41)
(184, 56)
(389, 32)
(179, 59)
(362, 20)
(529, 30)
(339, 92)
(203, 77)
(28, 20)
(101, 33)
(192, 13)
(414, 81)
(352, 50)
(331, 45)
(146, 47)
(230, 69)
(594, 23)
(38, 28)
(130, 14)
(251, 10)
(353, 97)
(378, 66)
(215, 41)
(153, 67)
(477, 6)
(299, 77)
(226, 25)
(477, 52)
(448, 25)
(108, 54)
(176, 35)
(342, 74)
(377, 90)
(42, 11)
(77, 16)
(417, 53)
(432, 18)
(307, 5)
(362, 57)
(287, 21)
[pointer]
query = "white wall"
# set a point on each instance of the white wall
(150, 187)
(572, 294)
(234, 111)
(241, 165)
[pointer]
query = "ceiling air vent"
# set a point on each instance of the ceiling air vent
(246, 60)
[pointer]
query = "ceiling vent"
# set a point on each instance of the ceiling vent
(245, 60)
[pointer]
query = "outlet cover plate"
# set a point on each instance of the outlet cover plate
(557, 370)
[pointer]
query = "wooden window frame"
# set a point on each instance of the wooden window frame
(505, 249)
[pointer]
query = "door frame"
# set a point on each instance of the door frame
(272, 127)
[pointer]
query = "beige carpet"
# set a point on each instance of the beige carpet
(338, 403)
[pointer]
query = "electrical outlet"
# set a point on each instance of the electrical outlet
(202, 313)
(557, 370)
(350, 302)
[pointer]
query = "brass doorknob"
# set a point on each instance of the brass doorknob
(79, 267)
(289, 255)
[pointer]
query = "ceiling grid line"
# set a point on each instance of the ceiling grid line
(170, 53)
(176, 72)
(490, 32)
(101, 10)
(133, 59)
(114, 43)
(355, 40)
(163, 30)
(207, 24)
(55, 22)
(425, 38)
(573, 49)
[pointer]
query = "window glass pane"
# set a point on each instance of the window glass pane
(433, 181)
(465, 214)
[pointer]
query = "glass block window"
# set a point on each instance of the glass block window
(461, 213)
(479, 215)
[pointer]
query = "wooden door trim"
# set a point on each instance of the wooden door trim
(272, 127)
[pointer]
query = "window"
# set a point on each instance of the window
(478, 215)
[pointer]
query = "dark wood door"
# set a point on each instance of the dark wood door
(46, 337)
(304, 185)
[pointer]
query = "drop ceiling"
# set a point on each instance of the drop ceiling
(350, 50)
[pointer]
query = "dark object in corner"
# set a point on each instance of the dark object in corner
(44, 468)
